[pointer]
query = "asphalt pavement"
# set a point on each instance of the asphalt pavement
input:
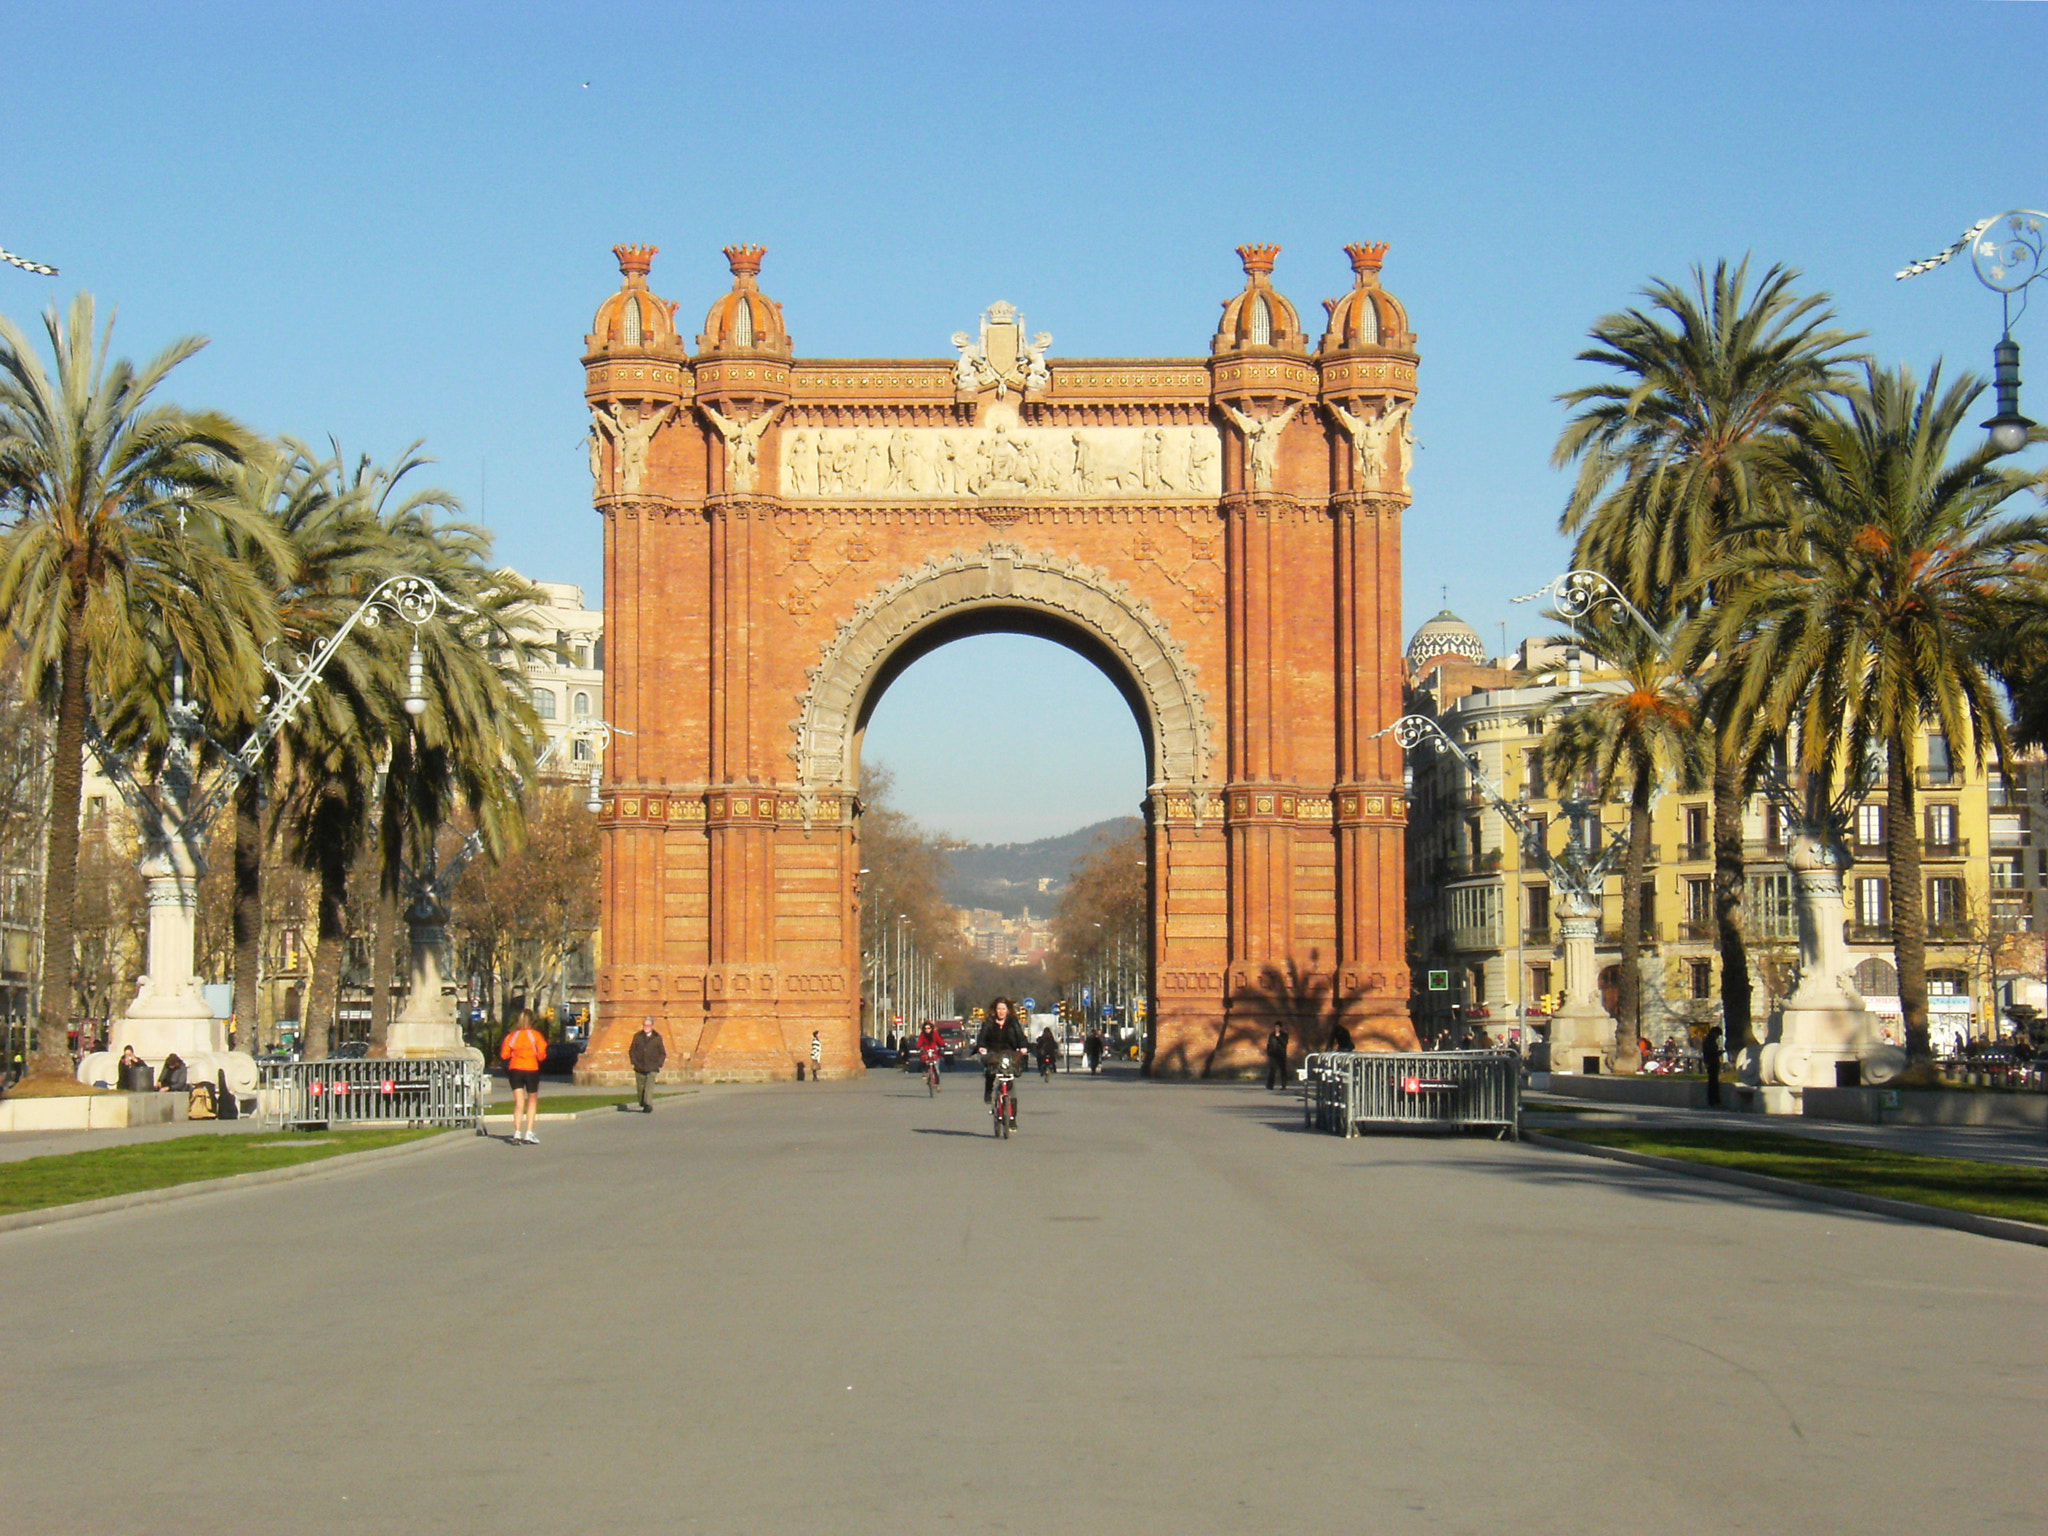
(846, 1308)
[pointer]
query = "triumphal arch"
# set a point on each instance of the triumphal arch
(1220, 534)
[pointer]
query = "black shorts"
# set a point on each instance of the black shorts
(530, 1081)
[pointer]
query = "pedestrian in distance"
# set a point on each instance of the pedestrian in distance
(1340, 1038)
(1091, 1047)
(647, 1054)
(817, 1055)
(523, 1051)
(1276, 1057)
(1710, 1052)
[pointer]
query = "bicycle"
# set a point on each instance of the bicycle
(1045, 1068)
(931, 1076)
(1004, 1105)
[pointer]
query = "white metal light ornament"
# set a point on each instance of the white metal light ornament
(2007, 261)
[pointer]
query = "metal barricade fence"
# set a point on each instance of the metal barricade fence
(1342, 1091)
(425, 1090)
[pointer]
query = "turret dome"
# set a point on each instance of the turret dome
(746, 319)
(1259, 319)
(1367, 316)
(634, 318)
(1444, 635)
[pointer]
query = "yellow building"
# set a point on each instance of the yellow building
(1481, 915)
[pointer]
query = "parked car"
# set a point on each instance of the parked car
(875, 1054)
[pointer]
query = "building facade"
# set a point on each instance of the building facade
(1220, 534)
(1483, 917)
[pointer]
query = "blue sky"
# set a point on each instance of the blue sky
(395, 221)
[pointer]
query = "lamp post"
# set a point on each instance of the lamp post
(2006, 250)
(1823, 1025)
(1577, 874)
(170, 1014)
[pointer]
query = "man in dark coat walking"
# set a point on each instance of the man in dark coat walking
(647, 1054)
(1276, 1057)
(1710, 1053)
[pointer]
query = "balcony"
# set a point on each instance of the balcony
(1867, 853)
(1695, 853)
(1938, 778)
(1870, 933)
(1537, 935)
(1764, 848)
(1699, 931)
(1955, 848)
(1478, 936)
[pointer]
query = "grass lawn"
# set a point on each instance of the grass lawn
(37, 1182)
(1987, 1189)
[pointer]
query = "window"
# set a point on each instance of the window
(580, 706)
(96, 806)
(579, 751)
(743, 325)
(1697, 829)
(1941, 826)
(544, 703)
(2001, 790)
(1770, 907)
(1873, 902)
(1702, 980)
(1539, 909)
(2006, 875)
(1870, 826)
(1774, 828)
(1877, 977)
(1647, 895)
(1948, 983)
(1699, 907)
(1262, 322)
(1944, 903)
(1539, 980)
(583, 657)
(1532, 773)
(633, 332)
(1941, 768)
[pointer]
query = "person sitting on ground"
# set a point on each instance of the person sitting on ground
(132, 1075)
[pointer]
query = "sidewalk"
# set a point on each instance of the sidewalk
(1981, 1144)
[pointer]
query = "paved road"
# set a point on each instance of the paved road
(843, 1308)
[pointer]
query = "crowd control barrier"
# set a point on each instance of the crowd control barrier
(1342, 1091)
(424, 1090)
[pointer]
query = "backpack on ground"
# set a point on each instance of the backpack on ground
(201, 1105)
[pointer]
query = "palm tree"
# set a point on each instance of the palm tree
(1627, 735)
(1885, 608)
(334, 545)
(111, 566)
(1677, 452)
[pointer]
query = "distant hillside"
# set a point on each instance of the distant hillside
(1008, 877)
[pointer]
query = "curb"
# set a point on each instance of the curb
(2002, 1227)
(341, 1162)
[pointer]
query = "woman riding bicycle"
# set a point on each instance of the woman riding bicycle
(931, 1052)
(1000, 1032)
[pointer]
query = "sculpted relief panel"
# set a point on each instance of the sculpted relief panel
(1001, 462)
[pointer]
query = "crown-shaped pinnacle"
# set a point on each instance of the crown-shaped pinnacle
(745, 260)
(634, 260)
(1257, 259)
(1366, 257)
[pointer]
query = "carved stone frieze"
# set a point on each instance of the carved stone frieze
(1000, 463)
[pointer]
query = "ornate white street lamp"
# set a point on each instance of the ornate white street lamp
(175, 816)
(2006, 250)
(1823, 1026)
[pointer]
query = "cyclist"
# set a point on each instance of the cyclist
(1001, 1031)
(1048, 1050)
(931, 1050)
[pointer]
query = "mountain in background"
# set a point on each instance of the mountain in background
(1008, 877)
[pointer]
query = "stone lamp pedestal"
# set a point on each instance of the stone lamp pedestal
(1823, 1035)
(1581, 1033)
(170, 1013)
(427, 1025)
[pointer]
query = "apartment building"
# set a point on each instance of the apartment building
(1481, 914)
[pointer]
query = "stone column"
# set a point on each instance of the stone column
(1580, 1029)
(1823, 1025)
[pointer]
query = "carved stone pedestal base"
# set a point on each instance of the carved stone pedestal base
(1581, 1035)
(427, 1037)
(1810, 1046)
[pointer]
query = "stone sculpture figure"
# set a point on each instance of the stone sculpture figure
(801, 462)
(1037, 377)
(595, 440)
(1262, 442)
(1394, 426)
(632, 440)
(742, 445)
(1364, 451)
